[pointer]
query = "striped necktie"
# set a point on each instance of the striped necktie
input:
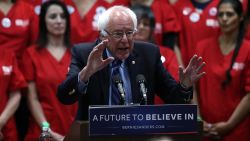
(115, 95)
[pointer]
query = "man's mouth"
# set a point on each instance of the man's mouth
(123, 49)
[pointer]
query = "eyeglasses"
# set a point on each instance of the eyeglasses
(119, 35)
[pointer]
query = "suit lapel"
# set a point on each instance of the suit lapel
(134, 70)
(133, 63)
(105, 80)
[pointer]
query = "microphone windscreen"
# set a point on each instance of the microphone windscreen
(140, 78)
(117, 78)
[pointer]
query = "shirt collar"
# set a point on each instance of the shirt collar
(110, 55)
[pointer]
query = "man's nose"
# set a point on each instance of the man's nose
(124, 37)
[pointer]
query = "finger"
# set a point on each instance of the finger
(180, 71)
(199, 76)
(105, 43)
(95, 52)
(98, 49)
(200, 67)
(192, 61)
(205, 129)
(214, 133)
(101, 46)
(196, 63)
(108, 60)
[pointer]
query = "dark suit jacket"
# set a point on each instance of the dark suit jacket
(146, 61)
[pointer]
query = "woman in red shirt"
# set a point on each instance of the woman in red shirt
(11, 81)
(224, 92)
(45, 66)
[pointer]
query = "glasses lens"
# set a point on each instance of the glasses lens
(128, 34)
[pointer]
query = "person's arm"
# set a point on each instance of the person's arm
(36, 109)
(70, 89)
(177, 51)
(10, 109)
(34, 104)
(239, 114)
(195, 100)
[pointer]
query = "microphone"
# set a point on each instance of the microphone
(118, 81)
(140, 79)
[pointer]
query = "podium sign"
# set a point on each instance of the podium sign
(143, 119)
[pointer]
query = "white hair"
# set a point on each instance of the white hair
(104, 18)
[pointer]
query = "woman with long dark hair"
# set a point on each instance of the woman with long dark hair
(45, 65)
(224, 93)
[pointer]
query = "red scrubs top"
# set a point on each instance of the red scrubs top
(166, 20)
(195, 25)
(47, 73)
(18, 29)
(11, 79)
(84, 29)
(217, 104)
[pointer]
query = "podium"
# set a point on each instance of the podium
(176, 128)
(79, 132)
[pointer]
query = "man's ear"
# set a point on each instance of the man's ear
(102, 37)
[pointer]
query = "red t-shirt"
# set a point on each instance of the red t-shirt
(11, 79)
(195, 25)
(47, 73)
(18, 29)
(217, 104)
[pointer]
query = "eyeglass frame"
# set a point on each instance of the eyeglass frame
(117, 36)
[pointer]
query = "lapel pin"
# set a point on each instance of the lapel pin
(133, 62)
